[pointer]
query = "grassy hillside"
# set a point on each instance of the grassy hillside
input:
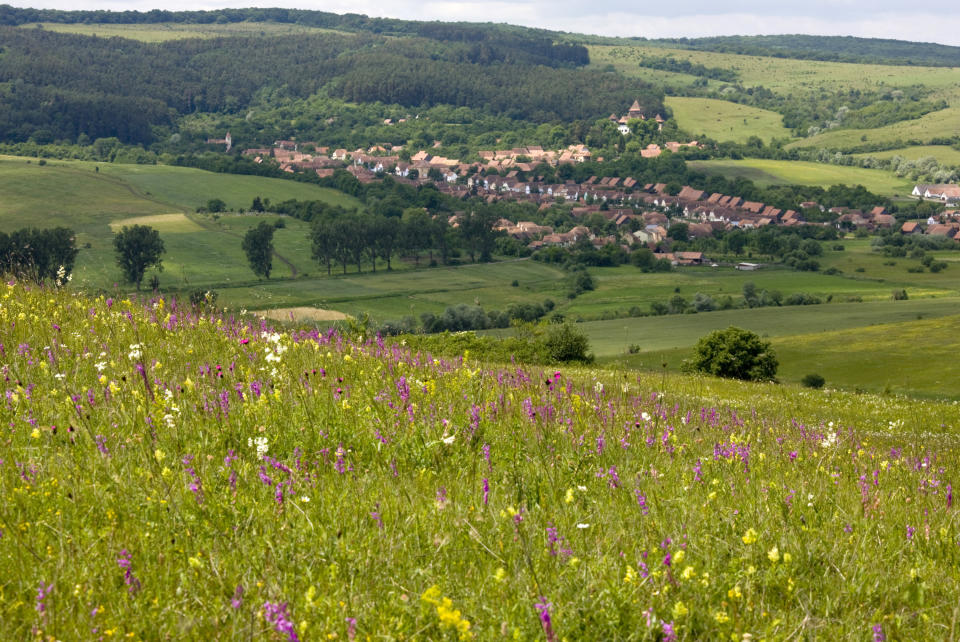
(212, 479)
(723, 121)
(97, 199)
(945, 155)
(784, 74)
(164, 31)
(766, 172)
(938, 124)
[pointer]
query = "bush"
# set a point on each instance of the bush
(813, 381)
(900, 295)
(802, 298)
(566, 342)
(735, 353)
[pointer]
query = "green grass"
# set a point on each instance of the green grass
(933, 125)
(726, 121)
(96, 198)
(776, 172)
(786, 75)
(392, 295)
(163, 32)
(872, 345)
(375, 493)
(945, 155)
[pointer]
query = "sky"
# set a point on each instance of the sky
(921, 20)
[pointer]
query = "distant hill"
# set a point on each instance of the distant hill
(830, 48)
(90, 87)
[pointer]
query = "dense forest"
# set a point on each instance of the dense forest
(88, 87)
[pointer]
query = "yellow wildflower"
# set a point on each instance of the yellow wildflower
(679, 610)
(749, 537)
(774, 554)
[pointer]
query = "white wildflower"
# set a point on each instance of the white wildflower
(260, 443)
(583, 526)
(134, 353)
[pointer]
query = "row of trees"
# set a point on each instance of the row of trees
(358, 238)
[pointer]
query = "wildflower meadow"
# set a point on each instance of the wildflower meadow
(181, 474)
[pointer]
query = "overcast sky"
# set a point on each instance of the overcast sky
(921, 20)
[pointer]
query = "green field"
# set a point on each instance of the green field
(726, 121)
(945, 155)
(907, 347)
(162, 32)
(785, 75)
(95, 199)
(938, 124)
(766, 172)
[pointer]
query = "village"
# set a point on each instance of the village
(642, 213)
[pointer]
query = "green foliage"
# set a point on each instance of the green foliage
(258, 246)
(564, 342)
(137, 248)
(683, 66)
(38, 254)
(735, 353)
(813, 381)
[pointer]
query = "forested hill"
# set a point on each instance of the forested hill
(488, 41)
(831, 48)
(57, 86)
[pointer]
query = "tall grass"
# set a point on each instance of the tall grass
(174, 474)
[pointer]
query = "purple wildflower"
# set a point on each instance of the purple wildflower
(910, 531)
(375, 516)
(486, 491)
(669, 635)
(237, 600)
(642, 501)
(543, 610)
(351, 628)
(42, 594)
(949, 495)
(878, 634)
(276, 615)
(101, 444)
(133, 584)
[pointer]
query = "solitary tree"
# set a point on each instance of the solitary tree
(138, 247)
(735, 353)
(258, 245)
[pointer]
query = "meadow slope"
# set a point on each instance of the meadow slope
(169, 474)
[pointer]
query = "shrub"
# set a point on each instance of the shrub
(735, 353)
(900, 295)
(802, 298)
(566, 342)
(813, 381)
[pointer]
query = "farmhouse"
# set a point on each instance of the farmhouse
(945, 193)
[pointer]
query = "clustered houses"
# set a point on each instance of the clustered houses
(877, 218)
(946, 225)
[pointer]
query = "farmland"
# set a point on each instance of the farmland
(163, 32)
(722, 120)
(773, 172)
(785, 75)
(945, 155)
(925, 128)
(451, 498)
(94, 199)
